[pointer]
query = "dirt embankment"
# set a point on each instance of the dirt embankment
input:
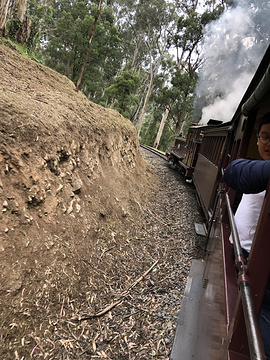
(72, 182)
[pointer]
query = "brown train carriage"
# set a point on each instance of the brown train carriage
(184, 150)
(218, 316)
(207, 171)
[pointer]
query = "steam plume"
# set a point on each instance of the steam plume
(233, 47)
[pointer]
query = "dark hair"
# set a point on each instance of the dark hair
(264, 120)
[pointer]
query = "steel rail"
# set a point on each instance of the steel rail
(255, 343)
(154, 151)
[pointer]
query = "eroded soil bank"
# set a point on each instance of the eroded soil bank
(79, 227)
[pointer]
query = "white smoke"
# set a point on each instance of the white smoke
(224, 108)
(231, 58)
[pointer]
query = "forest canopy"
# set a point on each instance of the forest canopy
(150, 60)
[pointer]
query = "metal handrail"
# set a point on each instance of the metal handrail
(256, 348)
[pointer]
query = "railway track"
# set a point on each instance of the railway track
(154, 151)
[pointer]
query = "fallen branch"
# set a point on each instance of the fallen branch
(157, 216)
(142, 276)
(118, 301)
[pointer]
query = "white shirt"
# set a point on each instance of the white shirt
(246, 218)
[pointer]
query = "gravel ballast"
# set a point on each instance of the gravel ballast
(170, 224)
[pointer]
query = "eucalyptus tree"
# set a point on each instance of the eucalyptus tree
(132, 33)
(156, 20)
(13, 16)
(144, 32)
(67, 42)
(4, 5)
(134, 55)
(121, 93)
(158, 102)
(186, 41)
(89, 46)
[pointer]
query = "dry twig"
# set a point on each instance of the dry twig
(118, 301)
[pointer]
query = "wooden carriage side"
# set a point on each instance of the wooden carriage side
(184, 151)
(217, 328)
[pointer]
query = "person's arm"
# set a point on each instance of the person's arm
(248, 176)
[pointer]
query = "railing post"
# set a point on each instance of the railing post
(255, 343)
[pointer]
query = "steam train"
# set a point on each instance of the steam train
(218, 318)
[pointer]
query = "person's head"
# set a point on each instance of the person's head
(263, 135)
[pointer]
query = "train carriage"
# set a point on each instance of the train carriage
(211, 157)
(218, 316)
(184, 150)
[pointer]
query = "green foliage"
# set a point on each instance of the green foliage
(182, 94)
(190, 28)
(13, 26)
(189, 31)
(167, 138)
(67, 46)
(122, 92)
(150, 127)
(41, 14)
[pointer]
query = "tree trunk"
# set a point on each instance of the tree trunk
(153, 74)
(149, 91)
(178, 124)
(21, 25)
(21, 6)
(161, 127)
(67, 67)
(89, 46)
(4, 5)
(182, 127)
(136, 52)
(24, 31)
